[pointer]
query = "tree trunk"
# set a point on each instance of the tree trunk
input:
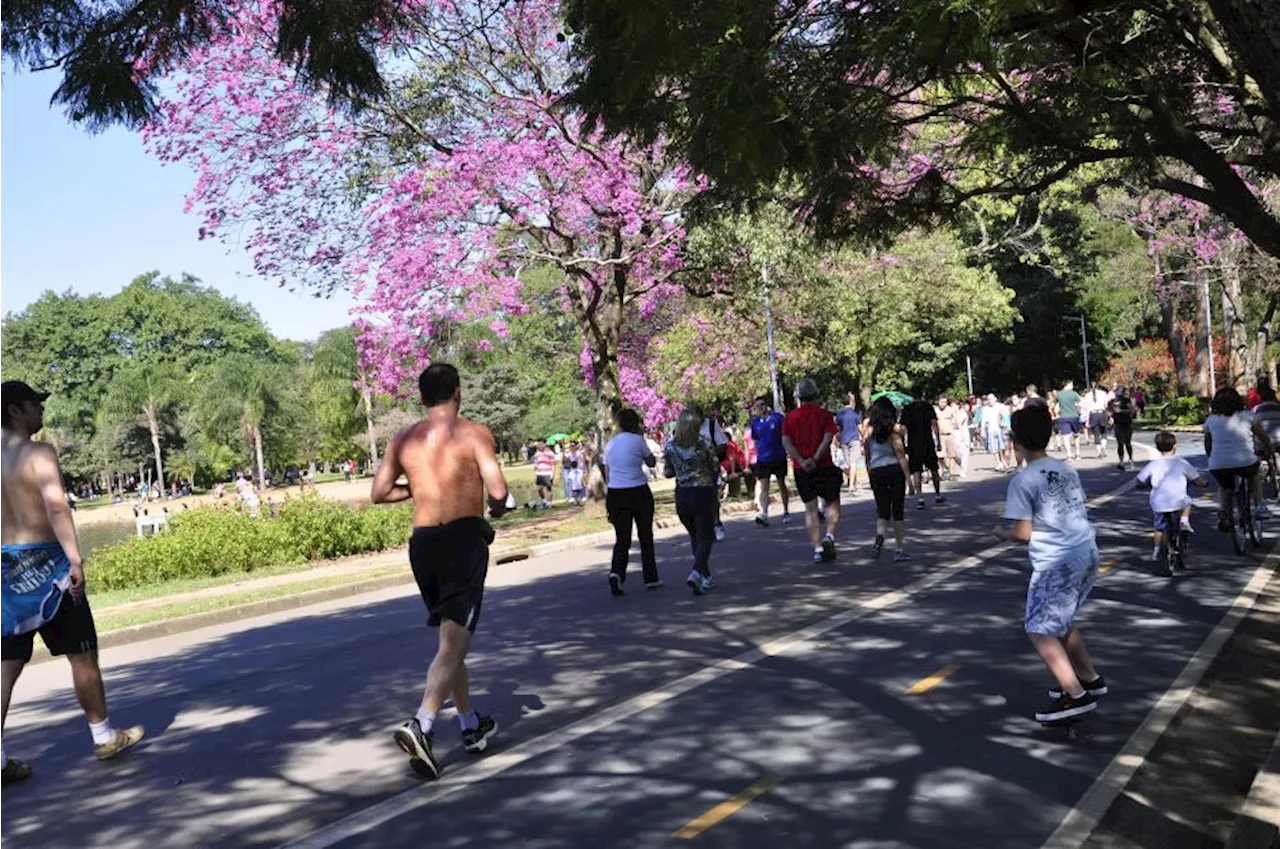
(366, 398)
(1177, 343)
(257, 450)
(1204, 350)
(1239, 360)
(1253, 30)
(153, 423)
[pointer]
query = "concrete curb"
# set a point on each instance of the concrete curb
(305, 598)
(1258, 825)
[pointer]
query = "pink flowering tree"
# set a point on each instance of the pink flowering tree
(432, 202)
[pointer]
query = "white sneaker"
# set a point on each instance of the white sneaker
(786, 518)
(1186, 526)
(719, 533)
(695, 582)
(708, 583)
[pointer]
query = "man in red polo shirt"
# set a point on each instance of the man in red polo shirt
(807, 432)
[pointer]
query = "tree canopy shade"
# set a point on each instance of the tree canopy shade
(111, 53)
(891, 110)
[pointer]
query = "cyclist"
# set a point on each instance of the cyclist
(1229, 435)
(1167, 478)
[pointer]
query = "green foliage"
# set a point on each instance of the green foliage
(1187, 410)
(217, 541)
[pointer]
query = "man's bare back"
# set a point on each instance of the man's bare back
(26, 469)
(449, 462)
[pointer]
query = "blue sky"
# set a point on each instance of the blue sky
(91, 212)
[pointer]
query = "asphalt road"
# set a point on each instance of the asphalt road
(857, 704)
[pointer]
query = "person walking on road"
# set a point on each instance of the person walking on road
(626, 458)
(771, 459)
(1121, 411)
(690, 459)
(544, 468)
(1046, 508)
(807, 432)
(1096, 405)
(1068, 423)
(850, 422)
(450, 463)
(43, 575)
(924, 438)
(887, 469)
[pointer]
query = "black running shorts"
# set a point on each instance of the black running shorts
(770, 469)
(450, 563)
(823, 482)
(70, 631)
(543, 482)
(922, 455)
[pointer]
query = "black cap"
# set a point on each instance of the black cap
(17, 392)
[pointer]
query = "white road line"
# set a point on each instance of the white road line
(460, 778)
(1088, 812)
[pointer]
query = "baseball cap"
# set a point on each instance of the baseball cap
(17, 392)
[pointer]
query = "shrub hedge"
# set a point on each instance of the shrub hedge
(211, 541)
(1187, 410)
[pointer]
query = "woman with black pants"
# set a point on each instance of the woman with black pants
(1121, 409)
(887, 469)
(629, 500)
(692, 461)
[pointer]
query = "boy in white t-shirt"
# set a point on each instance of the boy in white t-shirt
(1046, 508)
(1167, 477)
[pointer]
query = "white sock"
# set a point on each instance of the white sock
(1155, 552)
(1186, 523)
(426, 720)
(817, 550)
(102, 732)
(829, 537)
(468, 721)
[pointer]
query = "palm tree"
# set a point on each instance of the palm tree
(338, 377)
(144, 390)
(247, 388)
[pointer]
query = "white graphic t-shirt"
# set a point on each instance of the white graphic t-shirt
(1048, 493)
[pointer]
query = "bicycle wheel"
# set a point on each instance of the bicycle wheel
(1243, 520)
(1253, 525)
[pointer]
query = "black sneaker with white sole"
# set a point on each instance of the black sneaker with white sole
(828, 548)
(1064, 707)
(877, 546)
(417, 746)
(477, 739)
(1096, 687)
(615, 584)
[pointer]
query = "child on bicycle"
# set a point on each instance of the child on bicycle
(1167, 478)
(1229, 438)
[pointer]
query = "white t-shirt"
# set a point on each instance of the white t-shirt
(1232, 440)
(1048, 493)
(624, 457)
(1168, 477)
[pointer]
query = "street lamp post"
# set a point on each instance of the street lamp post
(768, 331)
(1084, 345)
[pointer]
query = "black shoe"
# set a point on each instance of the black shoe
(615, 584)
(477, 739)
(828, 549)
(939, 499)
(762, 521)
(1096, 687)
(919, 503)
(653, 585)
(877, 546)
(417, 746)
(1064, 707)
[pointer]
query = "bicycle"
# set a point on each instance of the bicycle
(1246, 526)
(1174, 544)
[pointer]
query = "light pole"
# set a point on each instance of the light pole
(1084, 345)
(768, 332)
(1208, 331)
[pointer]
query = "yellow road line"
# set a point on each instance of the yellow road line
(727, 808)
(1106, 567)
(924, 685)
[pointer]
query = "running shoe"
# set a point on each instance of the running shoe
(653, 585)
(919, 503)
(1186, 526)
(719, 533)
(786, 518)
(417, 746)
(900, 555)
(828, 548)
(1224, 522)
(15, 770)
(123, 739)
(615, 584)
(762, 521)
(695, 582)
(817, 555)
(877, 546)
(1065, 707)
(476, 740)
(939, 499)
(708, 583)
(1096, 687)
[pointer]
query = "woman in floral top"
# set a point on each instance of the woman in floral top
(692, 461)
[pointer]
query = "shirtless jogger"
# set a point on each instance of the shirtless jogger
(44, 574)
(449, 462)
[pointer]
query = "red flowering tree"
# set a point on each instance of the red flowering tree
(433, 201)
